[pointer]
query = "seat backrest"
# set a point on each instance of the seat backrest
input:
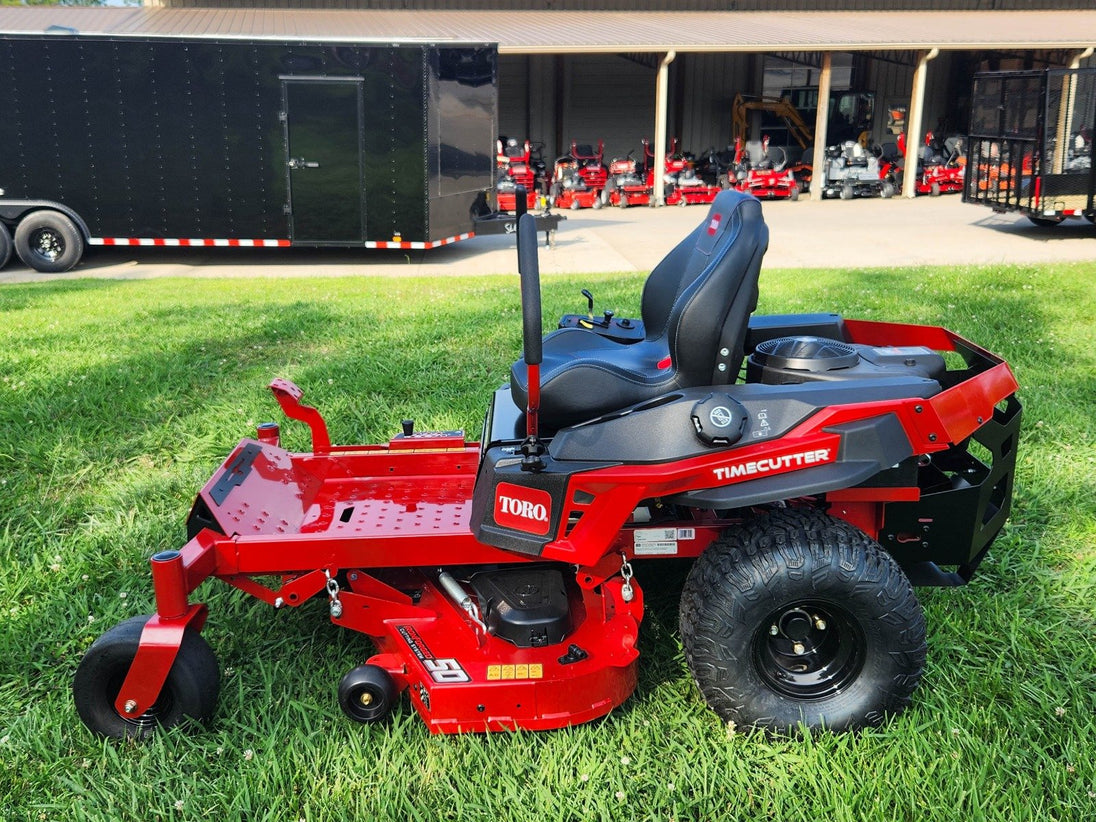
(665, 282)
(682, 266)
(711, 312)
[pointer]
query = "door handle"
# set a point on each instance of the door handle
(299, 162)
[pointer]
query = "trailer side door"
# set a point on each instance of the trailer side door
(324, 169)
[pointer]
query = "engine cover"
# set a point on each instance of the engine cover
(526, 606)
(793, 360)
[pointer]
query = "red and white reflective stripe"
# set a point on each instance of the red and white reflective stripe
(406, 245)
(189, 242)
(193, 242)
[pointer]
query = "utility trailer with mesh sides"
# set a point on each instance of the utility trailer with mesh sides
(1031, 143)
(232, 140)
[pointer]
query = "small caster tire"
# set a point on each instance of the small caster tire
(367, 694)
(190, 692)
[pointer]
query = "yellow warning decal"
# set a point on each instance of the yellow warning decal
(506, 673)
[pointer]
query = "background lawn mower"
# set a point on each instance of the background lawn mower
(762, 170)
(684, 186)
(941, 165)
(516, 168)
(495, 579)
(630, 182)
(579, 178)
(850, 170)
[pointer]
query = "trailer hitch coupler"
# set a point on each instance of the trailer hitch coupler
(169, 583)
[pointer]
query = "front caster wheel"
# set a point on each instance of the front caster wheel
(367, 693)
(798, 618)
(190, 691)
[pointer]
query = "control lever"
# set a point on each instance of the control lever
(589, 302)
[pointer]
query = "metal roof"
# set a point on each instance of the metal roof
(556, 32)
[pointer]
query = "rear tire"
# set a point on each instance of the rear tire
(798, 618)
(49, 242)
(190, 691)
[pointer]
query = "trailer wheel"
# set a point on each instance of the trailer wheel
(798, 618)
(5, 245)
(367, 693)
(846, 191)
(886, 191)
(48, 241)
(190, 691)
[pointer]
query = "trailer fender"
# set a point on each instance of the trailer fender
(12, 211)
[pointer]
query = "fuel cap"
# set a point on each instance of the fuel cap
(719, 420)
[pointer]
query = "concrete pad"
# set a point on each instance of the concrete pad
(862, 233)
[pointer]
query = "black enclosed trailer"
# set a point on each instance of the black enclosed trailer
(115, 139)
(1030, 149)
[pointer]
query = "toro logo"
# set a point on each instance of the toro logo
(523, 509)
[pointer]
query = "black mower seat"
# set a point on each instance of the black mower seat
(696, 304)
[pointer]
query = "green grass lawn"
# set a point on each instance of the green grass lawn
(119, 399)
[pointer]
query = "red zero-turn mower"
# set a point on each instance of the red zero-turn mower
(515, 168)
(579, 177)
(763, 171)
(495, 579)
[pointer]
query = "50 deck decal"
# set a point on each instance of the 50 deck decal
(442, 671)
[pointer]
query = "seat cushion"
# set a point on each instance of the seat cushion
(584, 375)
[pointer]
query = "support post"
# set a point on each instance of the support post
(913, 125)
(662, 105)
(821, 119)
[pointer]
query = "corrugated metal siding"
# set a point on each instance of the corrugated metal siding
(611, 99)
(711, 82)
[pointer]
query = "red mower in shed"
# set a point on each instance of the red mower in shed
(579, 178)
(813, 466)
(941, 165)
(684, 186)
(515, 168)
(763, 171)
(630, 183)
